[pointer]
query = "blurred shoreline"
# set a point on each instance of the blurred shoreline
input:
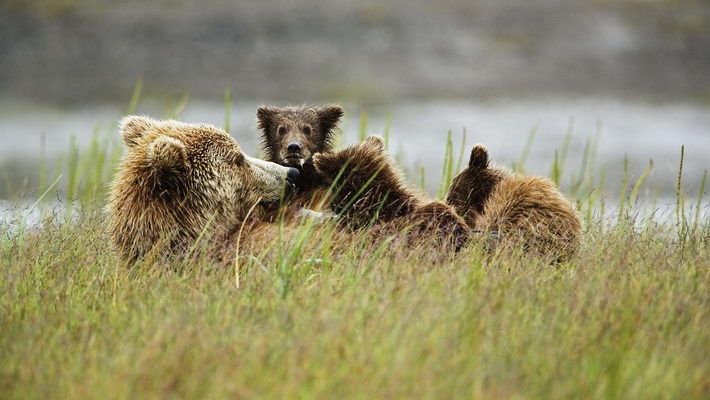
(79, 52)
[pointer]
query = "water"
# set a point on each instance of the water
(14, 215)
(640, 131)
(418, 134)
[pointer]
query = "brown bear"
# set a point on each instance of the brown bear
(522, 209)
(290, 136)
(369, 191)
(179, 182)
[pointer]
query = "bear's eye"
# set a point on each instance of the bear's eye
(307, 130)
(282, 130)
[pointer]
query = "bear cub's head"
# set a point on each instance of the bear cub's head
(473, 186)
(177, 179)
(292, 135)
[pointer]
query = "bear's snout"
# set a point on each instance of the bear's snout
(292, 175)
(294, 147)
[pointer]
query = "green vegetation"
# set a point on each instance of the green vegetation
(629, 318)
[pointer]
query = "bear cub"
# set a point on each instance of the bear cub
(369, 191)
(523, 210)
(290, 136)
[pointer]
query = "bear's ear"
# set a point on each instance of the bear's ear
(265, 118)
(329, 116)
(167, 154)
(324, 163)
(133, 127)
(319, 159)
(479, 157)
(318, 163)
(376, 142)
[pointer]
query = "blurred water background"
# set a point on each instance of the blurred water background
(631, 77)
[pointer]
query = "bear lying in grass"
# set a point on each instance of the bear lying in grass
(290, 136)
(524, 210)
(369, 192)
(179, 182)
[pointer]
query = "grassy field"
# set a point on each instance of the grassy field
(628, 318)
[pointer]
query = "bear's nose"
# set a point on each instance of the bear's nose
(292, 175)
(293, 147)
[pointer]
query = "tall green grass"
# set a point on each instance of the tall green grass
(309, 316)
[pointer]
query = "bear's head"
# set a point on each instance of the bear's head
(366, 185)
(473, 186)
(292, 135)
(179, 180)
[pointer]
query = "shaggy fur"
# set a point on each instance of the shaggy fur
(368, 191)
(522, 209)
(178, 181)
(290, 136)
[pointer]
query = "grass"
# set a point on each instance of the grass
(629, 318)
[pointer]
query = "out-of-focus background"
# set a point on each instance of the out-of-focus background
(630, 78)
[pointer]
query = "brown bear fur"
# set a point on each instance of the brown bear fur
(180, 181)
(524, 210)
(368, 191)
(310, 129)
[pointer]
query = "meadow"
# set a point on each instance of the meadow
(628, 318)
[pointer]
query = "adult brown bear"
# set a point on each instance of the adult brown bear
(179, 181)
